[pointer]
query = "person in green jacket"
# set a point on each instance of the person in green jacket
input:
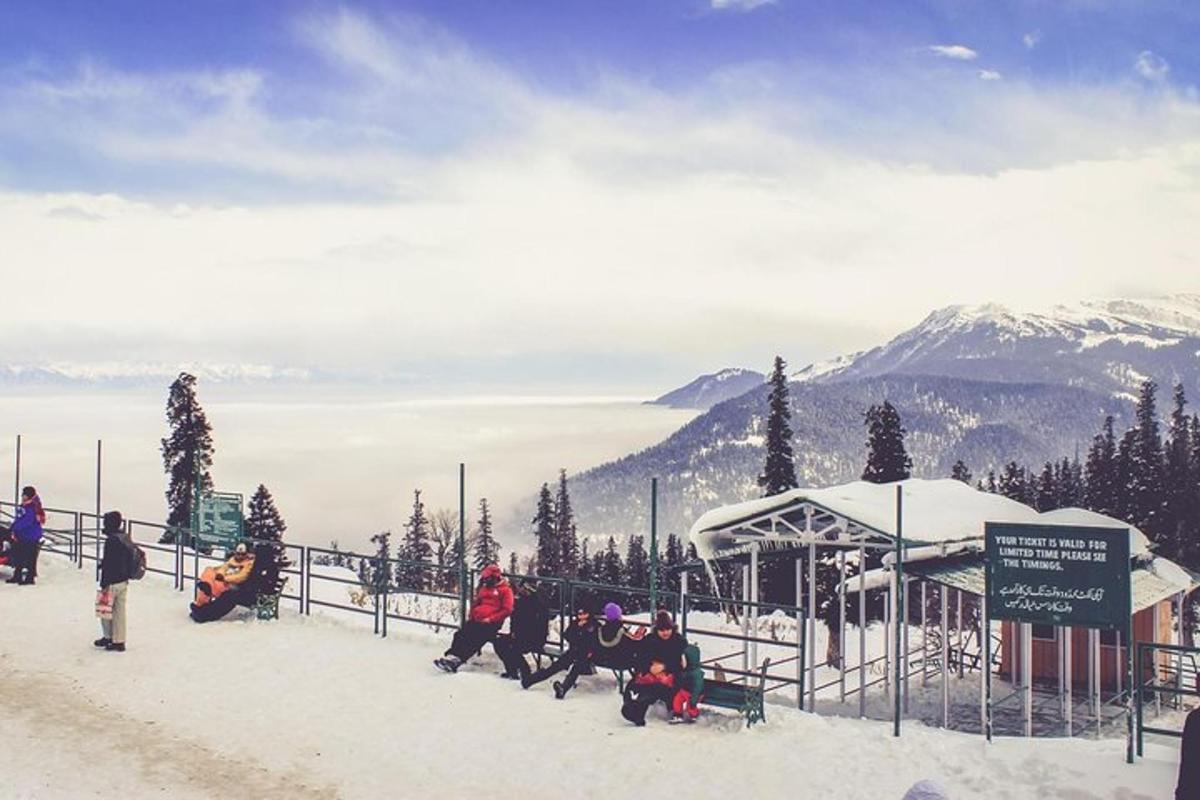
(690, 687)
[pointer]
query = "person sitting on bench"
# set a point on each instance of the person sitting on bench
(218, 588)
(690, 688)
(657, 675)
(528, 628)
(618, 645)
(581, 644)
(6, 543)
(493, 604)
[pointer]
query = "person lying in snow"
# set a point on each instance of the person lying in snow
(580, 639)
(528, 628)
(216, 581)
(657, 674)
(493, 604)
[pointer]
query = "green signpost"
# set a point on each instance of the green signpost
(220, 519)
(1065, 575)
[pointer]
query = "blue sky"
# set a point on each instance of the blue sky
(590, 184)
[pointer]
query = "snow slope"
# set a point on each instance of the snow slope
(312, 708)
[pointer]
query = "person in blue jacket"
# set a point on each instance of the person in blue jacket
(27, 537)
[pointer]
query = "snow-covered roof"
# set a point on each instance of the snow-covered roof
(935, 511)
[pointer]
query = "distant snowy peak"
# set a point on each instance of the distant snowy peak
(139, 373)
(708, 390)
(1109, 345)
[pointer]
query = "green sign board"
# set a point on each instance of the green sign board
(220, 518)
(1058, 574)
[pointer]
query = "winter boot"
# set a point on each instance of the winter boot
(676, 719)
(447, 664)
(102, 642)
(634, 712)
(560, 691)
(115, 647)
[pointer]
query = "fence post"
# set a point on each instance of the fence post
(654, 546)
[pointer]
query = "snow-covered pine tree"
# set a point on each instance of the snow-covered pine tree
(672, 560)
(1045, 490)
(611, 571)
(188, 448)
(1123, 505)
(487, 549)
(637, 563)
(1015, 484)
(961, 472)
(564, 530)
(514, 566)
(779, 471)
(1100, 472)
(1070, 484)
(1147, 495)
(416, 551)
(549, 552)
(1179, 481)
(264, 524)
(887, 460)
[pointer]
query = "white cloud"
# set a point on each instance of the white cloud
(1032, 39)
(740, 5)
(989, 75)
(956, 51)
(1151, 66)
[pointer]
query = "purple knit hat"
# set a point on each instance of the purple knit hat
(613, 612)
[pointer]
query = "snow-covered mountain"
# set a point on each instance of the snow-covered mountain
(708, 390)
(135, 374)
(1105, 345)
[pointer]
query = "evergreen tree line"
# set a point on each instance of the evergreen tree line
(1143, 477)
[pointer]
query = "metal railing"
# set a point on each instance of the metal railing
(1165, 674)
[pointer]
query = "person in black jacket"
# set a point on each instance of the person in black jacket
(116, 567)
(527, 630)
(581, 643)
(660, 663)
(1188, 787)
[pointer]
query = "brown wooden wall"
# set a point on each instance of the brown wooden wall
(1045, 653)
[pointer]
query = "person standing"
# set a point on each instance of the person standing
(116, 568)
(27, 535)
(1188, 787)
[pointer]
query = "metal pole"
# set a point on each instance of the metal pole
(1094, 659)
(654, 548)
(745, 617)
(17, 476)
(1129, 665)
(862, 631)
(958, 628)
(811, 644)
(897, 604)
(945, 660)
(1069, 669)
(985, 669)
(463, 589)
(1027, 668)
(905, 655)
(841, 556)
(924, 638)
(99, 476)
(753, 614)
(800, 635)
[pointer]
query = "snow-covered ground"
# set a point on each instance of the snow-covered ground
(311, 707)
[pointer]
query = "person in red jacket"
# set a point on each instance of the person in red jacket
(493, 604)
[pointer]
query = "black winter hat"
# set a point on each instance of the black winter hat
(113, 521)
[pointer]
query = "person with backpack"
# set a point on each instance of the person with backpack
(118, 566)
(493, 604)
(27, 535)
(528, 628)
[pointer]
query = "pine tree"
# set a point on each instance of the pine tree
(264, 524)
(1070, 487)
(188, 449)
(487, 549)
(779, 471)
(637, 563)
(381, 570)
(415, 553)
(1146, 494)
(1100, 472)
(549, 552)
(961, 472)
(887, 460)
(564, 530)
(611, 569)
(585, 564)
(1045, 491)
(1180, 500)
(672, 561)
(514, 566)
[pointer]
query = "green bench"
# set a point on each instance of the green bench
(745, 698)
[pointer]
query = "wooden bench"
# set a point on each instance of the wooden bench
(745, 698)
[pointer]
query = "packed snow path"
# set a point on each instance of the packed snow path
(312, 708)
